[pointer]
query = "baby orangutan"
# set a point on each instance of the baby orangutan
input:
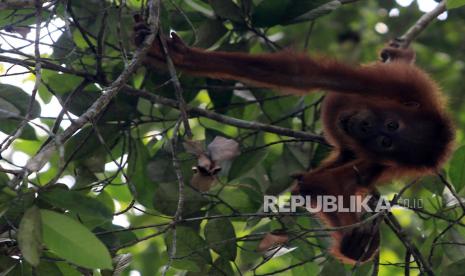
(384, 120)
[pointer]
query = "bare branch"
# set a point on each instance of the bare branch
(36, 162)
(46, 64)
(38, 75)
(18, 4)
(420, 25)
(226, 119)
(423, 265)
(177, 87)
(179, 208)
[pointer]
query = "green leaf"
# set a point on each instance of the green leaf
(23, 13)
(65, 53)
(298, 8)
(363, 269)
(49, 268)
(453, 253)
(86, 207)
(58, 83)
(220, 98)
(273, 12)
(8, 110)
(433, 184)
(7, 264)
(310, 268)
(84, 177)
(320, 153)
(6, 194)
(160, 166)
(332, 268)
(246, 162)
(3, 180)
(281, 170)
(178, 20)
(425, 249)
(86, 144)
(317, 12)
(209, 33)
(270, 12)
(166, 199)
(191, 249)
(221, 237)
(67, 269)
(304, 249)
(8, 126)
(278, 109)
(115, 235)
(454, 269)
(150, 260)
(80, 100)
(241, 198)
(30, 236)
(15, 102)
(221, 267)
(73, 242)
(227, 9)
(453, 4)
(457, 169)
(138, 175)
(18, 99)
(19, 205)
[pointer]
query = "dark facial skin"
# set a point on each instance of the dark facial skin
(398, 136)
(378, 132)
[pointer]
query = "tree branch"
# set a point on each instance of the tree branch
(423, 265)
(18, 4)
(46, 64)
(41, 158)
(226, 119)
(420, 25)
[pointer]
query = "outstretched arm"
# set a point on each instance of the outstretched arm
(293, 72)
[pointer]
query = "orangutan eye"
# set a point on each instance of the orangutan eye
(385, 142)
(392, 126)
(411, 104)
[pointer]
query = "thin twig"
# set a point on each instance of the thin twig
(226, 119)
(101, 48)
(375, 264)
(277, 272)
(46, 64)
(423, 265)
(19, 4)
(407, 263)
(179, 209)
(420, 25)
(452, 224)
(177, 87)
(41, 158)
(37, 72)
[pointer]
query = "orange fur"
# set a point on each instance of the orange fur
(386, 120)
